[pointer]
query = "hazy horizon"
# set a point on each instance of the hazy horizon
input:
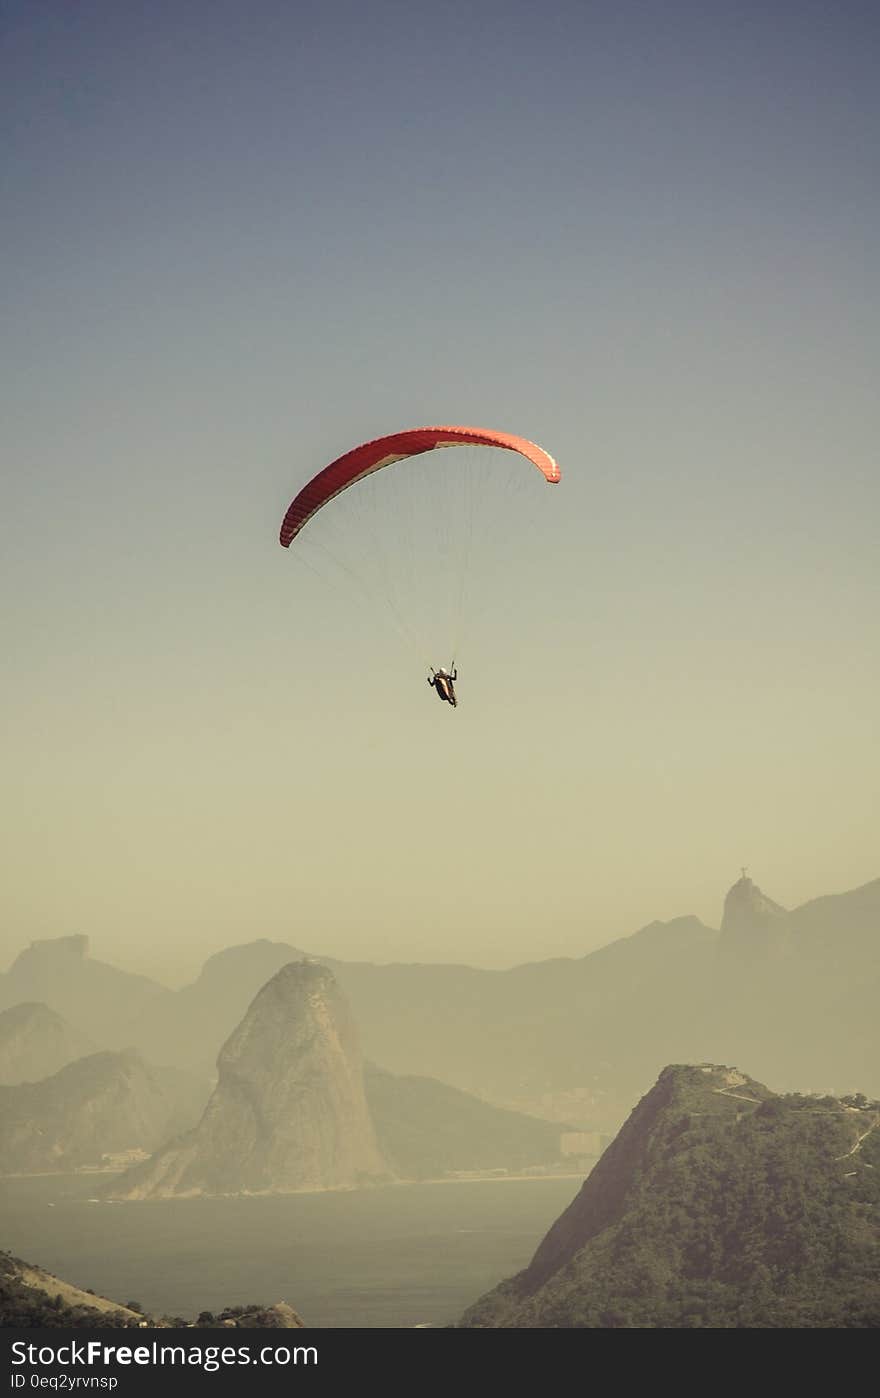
(239, 241)
(182, 971)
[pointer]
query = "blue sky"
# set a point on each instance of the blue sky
(239, 239)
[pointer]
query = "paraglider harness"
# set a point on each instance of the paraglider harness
(441, 681)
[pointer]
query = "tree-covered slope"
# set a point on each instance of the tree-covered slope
(719, 1204)
(33, 1299)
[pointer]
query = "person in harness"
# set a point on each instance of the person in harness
(441, 681)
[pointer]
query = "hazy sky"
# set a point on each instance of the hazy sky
(239, 238)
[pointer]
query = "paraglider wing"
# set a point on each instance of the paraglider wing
(372, 456)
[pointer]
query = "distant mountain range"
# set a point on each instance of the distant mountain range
(575, 1039)
(719, 1205)
(294, 1110)
(95, 998)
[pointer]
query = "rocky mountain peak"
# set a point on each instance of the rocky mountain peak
(289, 1111)
(62, 949)
(752, 921)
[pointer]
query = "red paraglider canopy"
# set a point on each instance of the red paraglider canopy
(372, 456)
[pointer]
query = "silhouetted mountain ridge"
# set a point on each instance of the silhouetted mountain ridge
(96, 998)
(566, 1035)
(427, 1129)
